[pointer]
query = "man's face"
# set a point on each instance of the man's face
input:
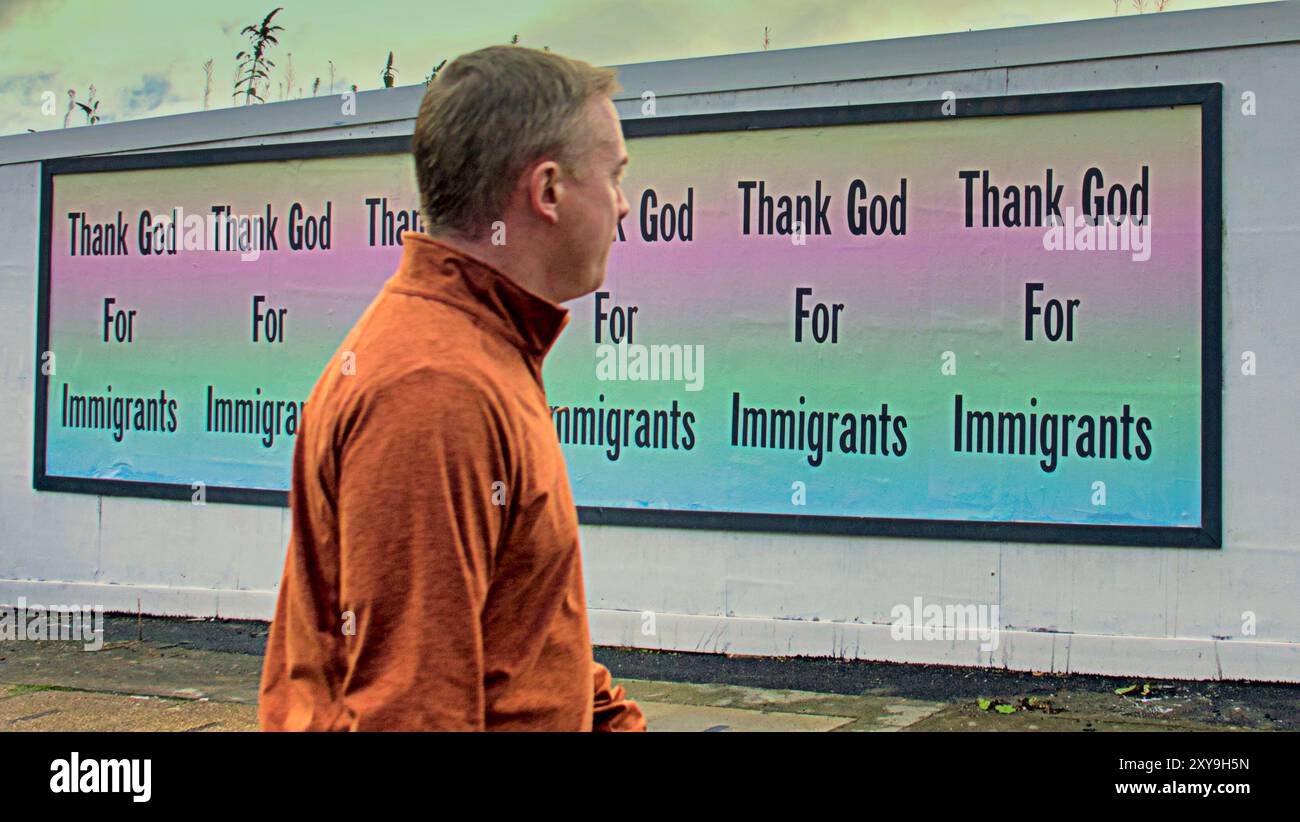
(594, 201)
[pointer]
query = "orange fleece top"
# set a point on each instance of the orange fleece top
(433, 579)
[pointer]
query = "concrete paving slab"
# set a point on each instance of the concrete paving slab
(867, 712)
(55, 710)
(133, 667)
(177, 663)
(669, 717)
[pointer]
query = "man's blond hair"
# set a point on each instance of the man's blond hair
(486, 117)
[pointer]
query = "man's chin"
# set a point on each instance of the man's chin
(592, 284)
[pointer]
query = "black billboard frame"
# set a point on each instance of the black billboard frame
(1207, 95)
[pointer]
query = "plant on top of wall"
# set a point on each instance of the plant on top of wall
(90, 107)
(253, 64)
(514, 41)
(207, 82)
(289, 77)
(389, 74)
(434, 74)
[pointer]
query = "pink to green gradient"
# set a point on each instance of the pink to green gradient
(908, 300)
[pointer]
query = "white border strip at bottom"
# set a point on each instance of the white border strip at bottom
(1016, 650)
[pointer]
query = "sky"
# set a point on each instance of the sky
(145, 57)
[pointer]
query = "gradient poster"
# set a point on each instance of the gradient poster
(941, 325)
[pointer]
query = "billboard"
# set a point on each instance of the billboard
(993, 318)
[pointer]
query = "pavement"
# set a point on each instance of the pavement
(155, 674)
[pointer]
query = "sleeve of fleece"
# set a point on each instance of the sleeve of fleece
(418, 533)
(613, 711)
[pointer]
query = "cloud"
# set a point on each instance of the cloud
(11, 10)
(675, 29)
(25, 84)
(25, 102)
(153, 91)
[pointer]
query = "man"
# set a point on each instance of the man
(433, 579)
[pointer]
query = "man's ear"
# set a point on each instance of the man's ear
(545, 190)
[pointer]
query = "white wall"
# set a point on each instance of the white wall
(1119, 610)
